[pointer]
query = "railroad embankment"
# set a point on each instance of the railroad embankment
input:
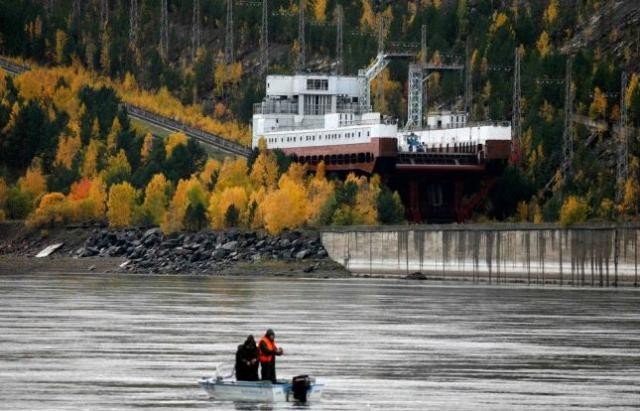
(590, 255)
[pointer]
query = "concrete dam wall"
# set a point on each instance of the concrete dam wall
(536, 254)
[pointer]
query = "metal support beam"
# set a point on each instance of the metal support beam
(567, 137)
(414, 116)
(229, 56)
(622, 163)
(339, 40)
(264, 38)
(164, 30)
(195, 29)
(516, 114)
(133, 24)
(301, 40)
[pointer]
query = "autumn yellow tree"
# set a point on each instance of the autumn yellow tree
(319, 191)
(598, 107)
(147, 146)
(220, 202)
(61, 43)
(68, 147)
(320, 10)
(174, 140)
(118, 168)
(286, 207)
(121, 203)
(209, 174)
(155, 199)
(91, 159)
(112, 137)
(234, 173)
(264, 172)
(544, 44)
(551, 12)
(53, 209)
(33, 182)
(574, 210)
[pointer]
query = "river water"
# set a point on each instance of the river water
(132, 342)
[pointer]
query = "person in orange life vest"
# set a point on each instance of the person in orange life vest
(268, 350)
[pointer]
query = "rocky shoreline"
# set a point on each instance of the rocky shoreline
(149, 251)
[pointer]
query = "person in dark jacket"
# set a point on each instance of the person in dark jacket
(268, 350)
(247, 360)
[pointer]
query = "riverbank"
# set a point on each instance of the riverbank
(149, 251)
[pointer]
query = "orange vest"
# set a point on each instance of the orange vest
(264, 357)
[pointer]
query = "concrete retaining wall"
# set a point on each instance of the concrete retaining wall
(588, 255)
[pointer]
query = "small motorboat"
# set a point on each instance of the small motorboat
(301, 389)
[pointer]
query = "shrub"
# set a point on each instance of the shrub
(574, 210)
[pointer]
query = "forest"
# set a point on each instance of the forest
(59, 133)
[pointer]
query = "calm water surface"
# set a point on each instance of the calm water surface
(133, 342)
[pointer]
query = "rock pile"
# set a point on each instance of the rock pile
(150, 251)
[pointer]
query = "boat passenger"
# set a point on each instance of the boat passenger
(247, 360)
(268, 350)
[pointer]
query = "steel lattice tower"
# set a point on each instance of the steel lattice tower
(104, 14)
(264, 37)
(76, 10)
(195, 29)
(516, 121)
(423, 45)
(622, 163)
(339, 44)
(414, 119)
(229, 56)
(301, 40)
(133, 24)
(567, 137)
(164, 30)
(468, 80)
(380, 33)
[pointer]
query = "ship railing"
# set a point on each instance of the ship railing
(275, 107)
(488, 123)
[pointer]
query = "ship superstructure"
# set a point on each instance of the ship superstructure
(442, 164)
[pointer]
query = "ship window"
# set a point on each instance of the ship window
(317, 84)
(359, 134)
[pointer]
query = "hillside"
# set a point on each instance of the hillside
(600, 35)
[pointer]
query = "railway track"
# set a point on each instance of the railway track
(169, 124)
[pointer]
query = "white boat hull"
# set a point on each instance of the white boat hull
(254, 391)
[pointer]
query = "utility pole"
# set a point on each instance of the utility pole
(339, 44)
(229, 56)
(164, 30)
(195, 29)
(516, 121)
(468, 80)
(264, 37)
(622, 162)
(301, 40)
(567, 137)
(133, 24)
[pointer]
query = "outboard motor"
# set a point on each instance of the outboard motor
(299, 387)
